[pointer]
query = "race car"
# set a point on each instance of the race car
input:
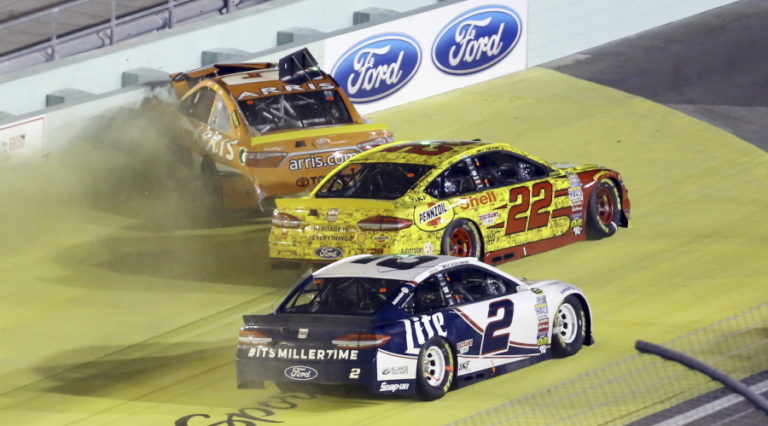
(415, 325)
(459, 198)
(257, 130)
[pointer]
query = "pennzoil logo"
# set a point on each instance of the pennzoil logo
(477, 40)
(433, 213)
(435, 216)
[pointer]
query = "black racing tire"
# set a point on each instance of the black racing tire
(603, 211)
(462, 239)
(211, 185)
(436, 369)
(568, 328)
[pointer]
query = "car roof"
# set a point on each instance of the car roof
(427, 152)
(396, 267)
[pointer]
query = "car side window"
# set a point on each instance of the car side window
(454, 181)
(220, 117)
(429, 296)
(198, 105)
(499, 168)
(472, 284)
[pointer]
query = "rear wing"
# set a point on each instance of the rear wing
(295, 68)
(183, 81)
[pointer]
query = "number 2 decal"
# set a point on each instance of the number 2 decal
(493, 342)
(517, 221)
(354, 373)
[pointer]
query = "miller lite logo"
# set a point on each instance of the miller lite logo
(476, 40)
(377, 66)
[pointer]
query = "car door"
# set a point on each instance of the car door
(536, 199)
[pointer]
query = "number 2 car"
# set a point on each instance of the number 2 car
(417, 325)
(475, 199)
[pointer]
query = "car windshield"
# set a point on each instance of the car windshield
(295, 111)
(342, 296)
(382, 181)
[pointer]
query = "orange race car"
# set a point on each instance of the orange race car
(256, 130)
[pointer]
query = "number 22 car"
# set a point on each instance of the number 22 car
(475, 199)
(416, 325)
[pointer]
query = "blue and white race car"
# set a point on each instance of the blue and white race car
(410, 325)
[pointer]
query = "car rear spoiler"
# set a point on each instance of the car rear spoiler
(295, 68)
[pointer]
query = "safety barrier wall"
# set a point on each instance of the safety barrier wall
(555, 28)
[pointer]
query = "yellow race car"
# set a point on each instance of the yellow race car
(256, 130)
(460, 198)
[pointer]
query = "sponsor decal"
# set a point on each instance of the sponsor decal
(295, 353)
(464, 345)
(315, 161)
(464, 366)
(433, 213)
(335, 238)
(400, 369)
(476, 40)
(328, 252)
(479, 200)
(215, 143)
(428, 248)
(420, 329)
(302, 182)
(303, 333)
(489, 218)
(288, 88)
(381, 238)
(393, 387)
(404, 291)
(332, 215)
(411, 250)
(241, 157)
(378, 66)
(300, 372)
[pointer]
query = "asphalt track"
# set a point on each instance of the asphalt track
(118, 307)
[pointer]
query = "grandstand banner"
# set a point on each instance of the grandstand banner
(429, 53)
(22, 140)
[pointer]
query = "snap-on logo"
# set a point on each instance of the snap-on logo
(377, 66)
(476, 40)
(300, 372)
(328, 252)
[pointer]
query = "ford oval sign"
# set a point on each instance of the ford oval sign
(476, 40)
(300, 372)
(328, 252)
(377, 66)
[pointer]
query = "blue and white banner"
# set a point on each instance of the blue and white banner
(429, 53)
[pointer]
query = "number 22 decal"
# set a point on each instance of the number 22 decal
(517, 221)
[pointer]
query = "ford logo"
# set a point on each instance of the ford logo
(377, 66)
(328, 252)
(300, 372)
(476, 40)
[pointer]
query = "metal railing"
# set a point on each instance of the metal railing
(109, 30)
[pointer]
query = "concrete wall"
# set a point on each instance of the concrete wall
(556, 28)
(253, 29)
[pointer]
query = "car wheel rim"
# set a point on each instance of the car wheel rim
(433, 365)
(565, 323)
(605, 206)
(461, 243)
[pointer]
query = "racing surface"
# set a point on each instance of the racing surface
(120, 303)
